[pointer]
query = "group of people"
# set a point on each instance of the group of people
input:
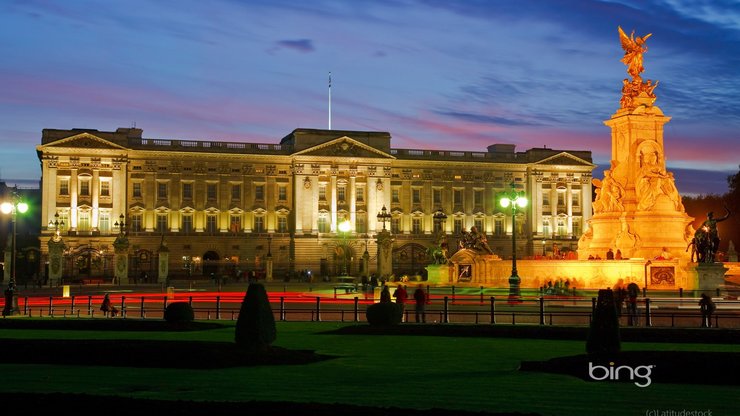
(401, 294)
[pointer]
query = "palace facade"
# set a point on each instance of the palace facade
(225, 207)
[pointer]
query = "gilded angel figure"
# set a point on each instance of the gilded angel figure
(633, 47)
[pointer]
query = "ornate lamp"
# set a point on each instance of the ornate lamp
(515, 200)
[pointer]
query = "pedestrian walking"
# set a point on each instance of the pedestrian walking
(707, 307)
(420, 296)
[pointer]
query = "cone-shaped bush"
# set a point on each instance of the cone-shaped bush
(603, 336)
(179, 312)
(384, 313)
(255, 328)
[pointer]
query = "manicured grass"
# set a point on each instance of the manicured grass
(477, 374)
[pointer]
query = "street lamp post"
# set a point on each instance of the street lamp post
(384, 216)
(344, 228)
(12, 207)
(516, 200)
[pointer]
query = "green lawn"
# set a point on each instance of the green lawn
(478, 374)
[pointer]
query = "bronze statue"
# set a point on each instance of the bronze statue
(705, 243)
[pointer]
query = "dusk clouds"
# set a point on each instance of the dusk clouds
(434, 73)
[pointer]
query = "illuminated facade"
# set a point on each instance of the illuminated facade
(223, 207)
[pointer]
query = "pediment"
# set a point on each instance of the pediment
(564, 158)
(84, 140)
(344, 146)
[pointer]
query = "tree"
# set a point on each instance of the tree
(255, 327)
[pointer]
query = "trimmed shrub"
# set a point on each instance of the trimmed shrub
(603, 336)
(383, 314)
(255, 328)
(178, 312)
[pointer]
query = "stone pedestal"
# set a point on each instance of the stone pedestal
(438, 274)
(710, 276)
(120, 259)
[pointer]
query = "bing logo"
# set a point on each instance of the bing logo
(640, 374)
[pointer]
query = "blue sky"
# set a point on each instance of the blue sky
(435, 74)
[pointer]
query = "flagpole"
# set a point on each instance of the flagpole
(329, 100)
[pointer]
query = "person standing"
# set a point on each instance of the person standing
(385, 295)
(420, 297)
(401, 295)
(707, 307)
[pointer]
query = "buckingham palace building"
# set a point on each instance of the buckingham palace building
(227, 207)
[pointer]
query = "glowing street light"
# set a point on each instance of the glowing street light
(13, 207)
(515, 200)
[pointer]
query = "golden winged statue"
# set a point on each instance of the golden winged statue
(633, 47)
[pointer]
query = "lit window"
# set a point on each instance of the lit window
(322, 192)
(359, 194)
(64, 187)
(323, 225)
(394, 196)
(259, 224)
(458, 226)
(395, 225)
(282, 224)
(211, 191)
(340, 193)
(105, 188)
(162, 190)
(416, 225)
(498, 227)
(211, 223)
(161, 223)
(136, 223)
(282, 193)
(84, 188)
(360, 224)
(137, 190)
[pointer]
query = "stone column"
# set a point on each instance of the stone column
(164, 262)
(385, 248)
(56, 258)
(120, 259)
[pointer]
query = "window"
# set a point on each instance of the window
(416, 225)
(104, 222)
(359, 194)
(576, 226)
(161, 190)
(575, 199)
(105, 188)
(64, 219)
(478, 222)
(360, 224)
(259, 224)
(137, 190)
(437, 196)
(396, 225)
(187, 223)
(84, 187)
(341, 193)
(561, 227)
(136, 223)
(498, 227)
(259, 192)
(546, 228)
(161, 223)
(458, 226)
(322, 192)
(211, 191)
(282, 193)
(545, 196)
(282, 224)
(457, 196)
(478, 197)
(236, 191)
(561, 198)
(211, 223)
(83, 223)
(235, 223)
(64, 187)
(394, 195)
(323, 224)
(187, 191)
(416, 196)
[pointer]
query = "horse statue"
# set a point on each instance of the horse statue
(438, 254)
(702, 247)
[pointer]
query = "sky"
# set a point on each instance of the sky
(436, 74)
